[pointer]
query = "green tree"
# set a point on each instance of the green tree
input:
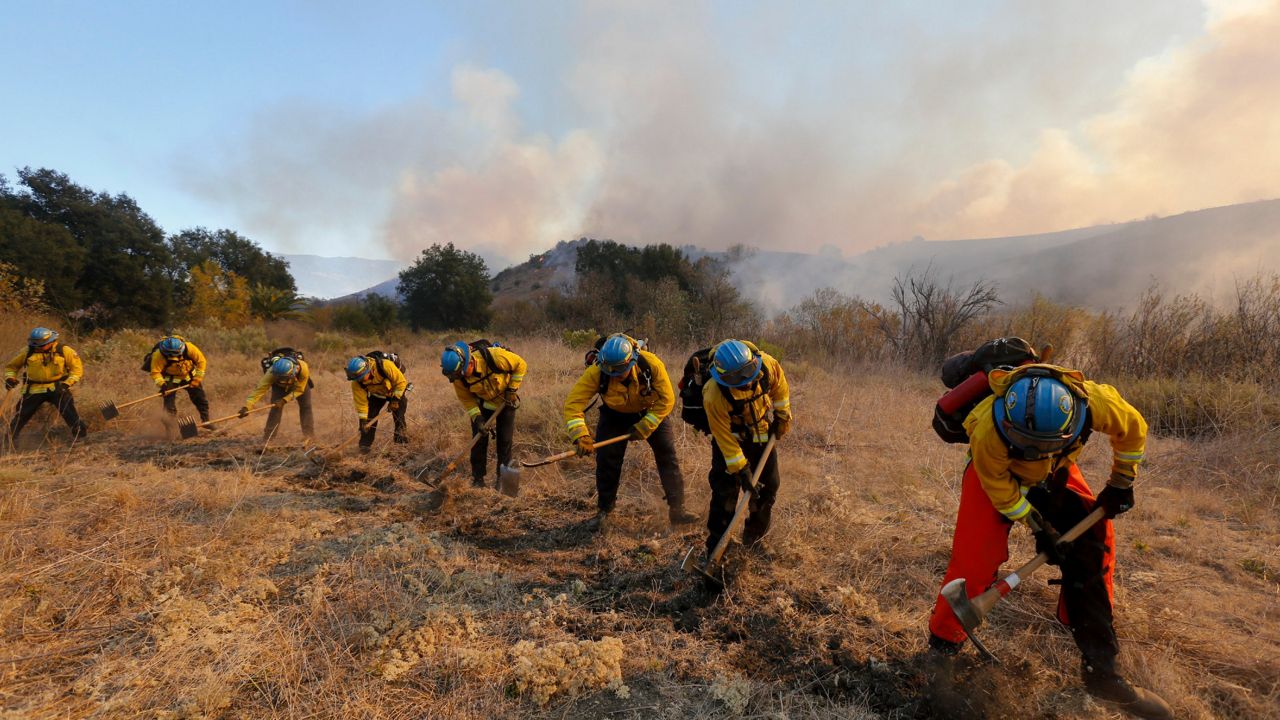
(446, 289)
(234, 253)
(45, 253)
(383, 312)
(127, 268)
(271, 303)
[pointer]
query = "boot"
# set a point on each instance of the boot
(600, 523)
(1116, 692)
(679, 516)
(477, 482)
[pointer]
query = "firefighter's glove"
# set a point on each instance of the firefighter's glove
(743, 477)
(1114, 500)
(364, 426)
(637, 433)
(195, 382)
(393, 404)
(781, 426)
(10, 383)
(244, 412)
(279, 403)
(1047, 542)
(511, 398)
(61, 387)
(584, 446)
(477, 424)
(161, 386)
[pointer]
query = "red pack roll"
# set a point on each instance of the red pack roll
(966, 394)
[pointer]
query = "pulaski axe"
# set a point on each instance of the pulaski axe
(971, 611)
(690, 563)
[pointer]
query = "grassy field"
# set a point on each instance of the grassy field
(216, 578)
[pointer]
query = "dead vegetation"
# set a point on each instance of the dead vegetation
(220, 579)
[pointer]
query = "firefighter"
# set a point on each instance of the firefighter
(289, 378)
(636, 400)
(178, 363)
(749, 401)
(484, 375)
(377, 382)
(1024, 440)
(48, 369)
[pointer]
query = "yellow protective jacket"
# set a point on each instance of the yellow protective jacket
(189, 367)
(484, 385)
(1007, 480)
(295, 385)
(386, 381)
(730, 427)
(628, 393)
(43, 370)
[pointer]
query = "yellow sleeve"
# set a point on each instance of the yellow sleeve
(666, 399)
(575, 405)
(467, 398)
(1125, 426)
(258, 392)
(779, 389)
(75, 368)
(990, 458)
(509, 362)
(13, 368)
(157, 367)
(399, 383)
(197, 357)
(717, 408)
(300, 385)
(360, 396)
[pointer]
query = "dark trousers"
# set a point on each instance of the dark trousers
(61, 399)
(506, 431)
(195, 394)
(724, 495)
(609, 459)
(981, 545)
(304, 413)
(397, 416)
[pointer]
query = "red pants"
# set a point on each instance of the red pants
(981, 545)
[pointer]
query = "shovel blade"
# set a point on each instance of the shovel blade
(187, 427)
(509, 480)
(692, 565)
(108, 410)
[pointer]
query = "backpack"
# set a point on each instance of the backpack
(280, 353)
(146, 359)
(483, 346)
(380, 357)
(965, 376)
(697, 373)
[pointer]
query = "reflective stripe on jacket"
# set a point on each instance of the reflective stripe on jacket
(391, 385)
(625, 394)
(485, 385)
(296, 386)
(184, 369)
(43, 370)
(752, 425)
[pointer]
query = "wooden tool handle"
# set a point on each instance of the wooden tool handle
(453, 464)
(150, 397)
(215, 421)
(570, 453)
(739, 513)
(355, 437)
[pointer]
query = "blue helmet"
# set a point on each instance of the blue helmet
(172, 346)
(359, 368)
(455, 360)
(734, 364)
(284, 367)
(1039, 415)
(617, 355)
(40, 337)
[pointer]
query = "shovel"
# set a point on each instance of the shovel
(187, 426)
(570, 453)
(453, 464)
(111, 411)
(690, 562)
(314, 455)
(971, 611)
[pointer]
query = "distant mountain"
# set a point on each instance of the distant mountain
(1100, 267)
(331, 277)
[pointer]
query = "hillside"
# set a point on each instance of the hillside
(1099, 267)
(218, 578)
(333, 277)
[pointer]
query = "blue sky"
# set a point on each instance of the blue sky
(378, 128)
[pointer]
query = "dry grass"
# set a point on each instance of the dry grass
(217, 579)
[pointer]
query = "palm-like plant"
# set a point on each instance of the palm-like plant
(271, 303)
